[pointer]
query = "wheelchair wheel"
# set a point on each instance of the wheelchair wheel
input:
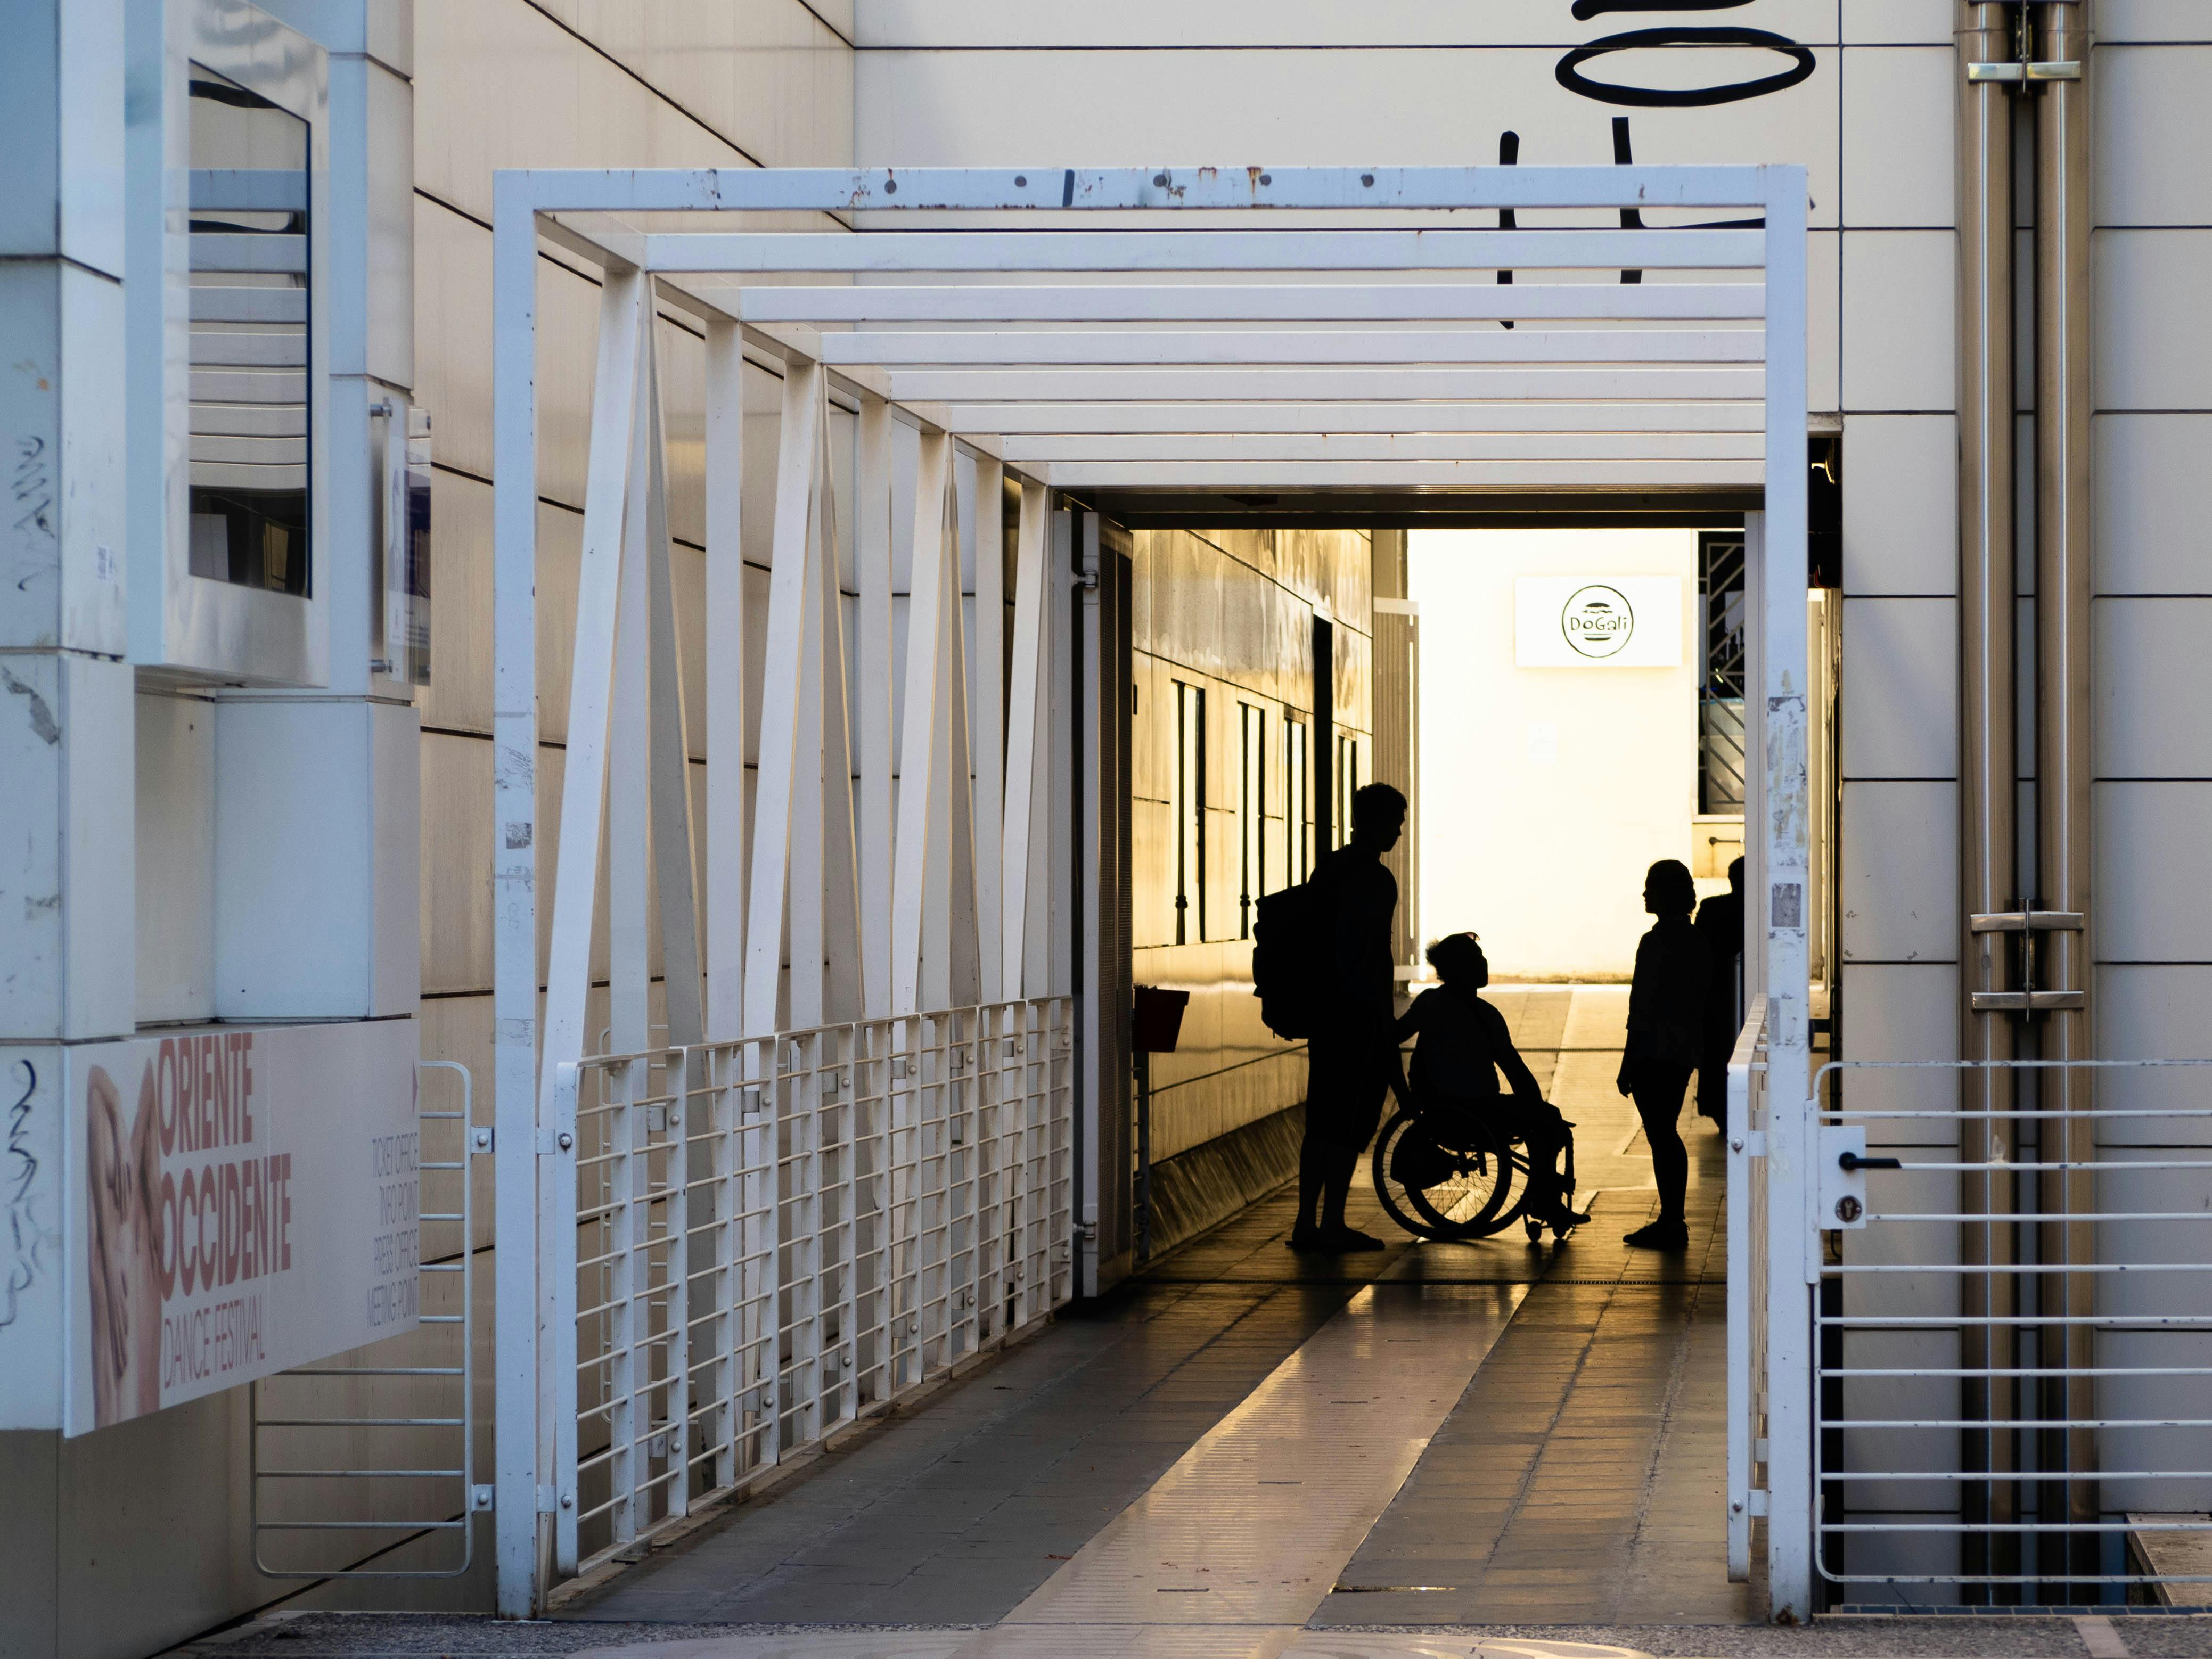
(1470, 1200)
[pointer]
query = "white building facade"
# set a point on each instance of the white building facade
(252, 732)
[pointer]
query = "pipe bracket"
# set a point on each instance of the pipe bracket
(2027, 922)
(2010, 71)
(2028, 1002)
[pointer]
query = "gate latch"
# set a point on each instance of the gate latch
(1842, 1164)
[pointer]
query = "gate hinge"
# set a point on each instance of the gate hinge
(1754, 1501)
(553, 1142)
(545, 1500)
(482, 1497)
(1752, 1143)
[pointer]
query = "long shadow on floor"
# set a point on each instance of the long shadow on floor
(1577, 1478)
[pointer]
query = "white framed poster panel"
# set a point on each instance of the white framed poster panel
(238, 1201)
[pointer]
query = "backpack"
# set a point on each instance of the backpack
(1290, 954)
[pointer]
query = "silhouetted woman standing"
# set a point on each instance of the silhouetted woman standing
(1666, 1031)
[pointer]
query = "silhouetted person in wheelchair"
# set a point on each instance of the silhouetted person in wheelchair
(1353, 1059)
(1464, 1044)
(1666, 1039)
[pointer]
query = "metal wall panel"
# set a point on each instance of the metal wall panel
(176, 859)
(2152, 667)
(2154, 903)
(1901, 505)
(1899, 157)
(458, 697)
(1904, 1011)
(1900, 904)
(1900, 699)
(2153, 335)
(1894, 22)
(2148, 111)
(1900, 323)
(2152, 20)
(456, 902)
(921, 109)
(502, 85)
(2149, 505)
(1319, 24)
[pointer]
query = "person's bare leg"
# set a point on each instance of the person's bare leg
(1660, 1110)
(1335, 1231)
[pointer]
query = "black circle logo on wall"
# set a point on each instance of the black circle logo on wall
(1571, 76)
(1597, 621)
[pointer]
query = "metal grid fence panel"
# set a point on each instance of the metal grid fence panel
(779, 1236)
(630, 1330)
(1964, 1450)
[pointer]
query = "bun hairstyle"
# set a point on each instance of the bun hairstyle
(1671, 890)
(1457, 955)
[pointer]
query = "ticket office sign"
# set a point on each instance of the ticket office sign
(244, 1200)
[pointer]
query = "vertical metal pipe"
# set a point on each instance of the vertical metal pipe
(1987, 761)
(2063, 732)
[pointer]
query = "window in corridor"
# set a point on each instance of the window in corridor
(1347, 785)
(1720, 689)
(1188, 808)
(1298, 840)
(1251, 814)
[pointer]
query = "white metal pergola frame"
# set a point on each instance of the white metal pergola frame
(1252, 375)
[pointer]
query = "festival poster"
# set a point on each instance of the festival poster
(244, 1200)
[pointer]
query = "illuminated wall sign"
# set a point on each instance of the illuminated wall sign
(1597, 621)
(239, 1201)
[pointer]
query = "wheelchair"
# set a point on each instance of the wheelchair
(1469, 1181)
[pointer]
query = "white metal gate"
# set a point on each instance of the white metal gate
(2013, 1348)
(368, 1470)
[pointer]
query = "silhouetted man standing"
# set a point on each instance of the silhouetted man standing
(1352, 1057)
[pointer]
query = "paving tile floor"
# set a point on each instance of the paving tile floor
(1580, 1478)
(954, 1513)
(1594, 1422)
(402, 1636)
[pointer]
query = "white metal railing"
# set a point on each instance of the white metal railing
(778, 1235)
(1747, 1285)
(2014, 1347)
(318, 1496)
